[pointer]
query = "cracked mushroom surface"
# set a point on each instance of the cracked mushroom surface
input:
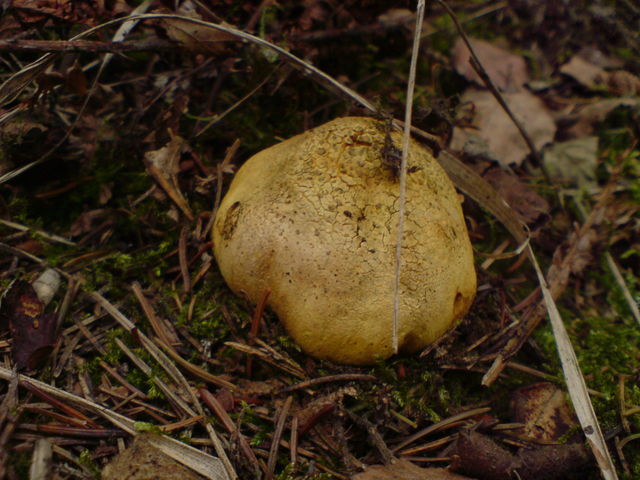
(314, 220)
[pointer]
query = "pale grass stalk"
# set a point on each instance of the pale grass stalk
(403, 172)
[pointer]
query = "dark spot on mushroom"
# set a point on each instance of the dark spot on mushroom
(230, 220)
(347, 213)
(459, 305)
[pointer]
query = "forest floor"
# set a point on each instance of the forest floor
(116, 149)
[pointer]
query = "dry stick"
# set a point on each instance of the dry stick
(342, 377)
(49, 236)
(70, 421)
(374, 436)
(277, 435)
(154, 321)
(213, 403)
(255, 326)
(171, 369)
(80, 46)
(403, 172)
(8, 419)
(218, 118)
(477, 66)
(182, 258)
(293, 442)
(438, 426)
(196, 370)
(164, 388)
(123, 381)
(121, 422)
(37, 67)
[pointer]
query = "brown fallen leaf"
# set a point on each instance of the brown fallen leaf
(581, 122)
(507, 71)
(143, 461)
(543, 410)
(585, 73)
(531, 206)
(495, 127)
(164, 165)
(623, 83)
(33, 331)
(619, 82)
(195, 37)
(405, 470)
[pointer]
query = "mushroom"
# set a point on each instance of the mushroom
(314, 221)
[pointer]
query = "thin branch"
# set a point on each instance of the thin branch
(90, 46)
(477, 66)
(277, 435)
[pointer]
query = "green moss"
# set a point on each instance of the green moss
(147, 427)
(89, 465)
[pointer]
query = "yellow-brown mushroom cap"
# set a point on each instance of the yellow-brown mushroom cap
(314, 220)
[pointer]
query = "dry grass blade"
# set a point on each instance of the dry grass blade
(438, 426)
(403, 171)
(277, 435)
(10, 89)
(207, 465)
(43, 234)
(172, 370)
(17, 82)
(270, 356)
(191, 457)
(146, 369)
(41, 461)
(195, 370)
(575, 381)
(573, 376)
(615, 271)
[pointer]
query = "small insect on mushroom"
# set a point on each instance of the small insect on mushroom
(392, 155)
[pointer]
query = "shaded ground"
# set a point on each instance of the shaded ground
(131, 233)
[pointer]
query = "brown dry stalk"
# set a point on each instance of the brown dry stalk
(342, 377)
(90, 46)
(277, 436)
(215, 406)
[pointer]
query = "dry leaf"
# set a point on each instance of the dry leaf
(583, 119)
(405, 470)
(164, 165)
(143, 461)
(543, 409)
(623, 83)
(574, 161)
(507, 71)
(517, 194)
(193, 36)
(396, 16)
(32, 330)
(619, 82)
(495, 127)
(585, 73)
